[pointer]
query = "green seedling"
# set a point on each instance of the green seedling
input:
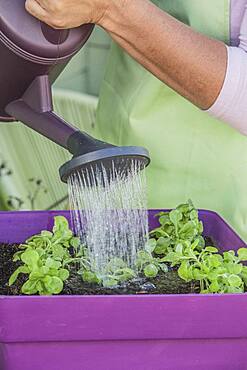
(45, 258)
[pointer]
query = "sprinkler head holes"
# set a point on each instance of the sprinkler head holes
(108, 160)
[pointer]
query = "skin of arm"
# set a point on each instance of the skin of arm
(192, 64)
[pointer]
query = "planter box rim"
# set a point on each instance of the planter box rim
(119, 317)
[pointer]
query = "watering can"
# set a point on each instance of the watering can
(32, 56)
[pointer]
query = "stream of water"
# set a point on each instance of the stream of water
(110, 216)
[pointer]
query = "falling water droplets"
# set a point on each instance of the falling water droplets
(109, 212)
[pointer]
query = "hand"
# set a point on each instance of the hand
(63, 14)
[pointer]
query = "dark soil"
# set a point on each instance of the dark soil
(169, 283)
(165, 283)
(7, 267)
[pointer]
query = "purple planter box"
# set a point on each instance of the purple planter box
(151, 332)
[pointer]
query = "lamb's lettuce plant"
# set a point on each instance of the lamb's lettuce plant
(44, 276)
(177, 226)
(178, 241)
(215, 272)
(149, 264)
(114, 273)
(45, 258)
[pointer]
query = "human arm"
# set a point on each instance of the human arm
(191, 63)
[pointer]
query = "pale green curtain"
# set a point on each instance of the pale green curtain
(30, 156)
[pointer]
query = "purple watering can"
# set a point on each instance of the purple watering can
(32, 55)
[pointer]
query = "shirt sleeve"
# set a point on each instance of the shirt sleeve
(231, 104)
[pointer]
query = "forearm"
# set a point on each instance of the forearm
(189, 62)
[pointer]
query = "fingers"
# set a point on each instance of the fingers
(38, 10)
(46, 12)
(34, 8)
(49, 5)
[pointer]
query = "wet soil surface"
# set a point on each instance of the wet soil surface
(7, 267)
(165, 283)
(169, 283)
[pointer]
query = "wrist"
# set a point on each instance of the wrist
(111, 12)
(123, 18)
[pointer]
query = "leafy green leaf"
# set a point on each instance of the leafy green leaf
(30, 257)
(194, 214)
(46, 234)
(179, 248)
(242, 254)
(151, 271)
(235, 281)
(211, 249)
(150, 245)
(175, 216)
(51, 263)
(234, 268)
(187, 231)
(163, 267)
(197, 274)
(90, 277)
(124, 274)
(115, 263)
(60, 224)
(29, 287)
(75, 242)
(214, 260)
(19, 270)
(229, 256)
(53, 284)
(110, 282)
(184, 272)
(142, 258)
(162, 245)
(63, 274)
(17, 256)
(214, 287)
(164, 219)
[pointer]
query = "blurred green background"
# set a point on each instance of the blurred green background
(29, 163)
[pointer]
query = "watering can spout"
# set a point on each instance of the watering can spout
(34, 109)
